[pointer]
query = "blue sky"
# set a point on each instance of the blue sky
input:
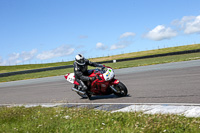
(45, 31)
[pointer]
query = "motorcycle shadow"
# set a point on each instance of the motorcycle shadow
(98, 97)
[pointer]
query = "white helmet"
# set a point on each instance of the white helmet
(80, 59)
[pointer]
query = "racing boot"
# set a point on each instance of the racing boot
(84, 87)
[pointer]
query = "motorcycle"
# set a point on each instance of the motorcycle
(104, 84)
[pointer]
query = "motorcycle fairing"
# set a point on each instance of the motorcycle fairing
(71, 78)
(100, 87)
(114, 82)
(109, 74)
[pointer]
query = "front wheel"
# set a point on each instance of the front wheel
(121, 89)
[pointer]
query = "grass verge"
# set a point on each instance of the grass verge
(118, 65)
(5, 69)
(76, 120)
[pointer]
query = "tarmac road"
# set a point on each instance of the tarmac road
(164, 83)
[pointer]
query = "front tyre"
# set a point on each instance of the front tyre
(121, 89)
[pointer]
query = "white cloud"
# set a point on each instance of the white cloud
(28, 55)
(101, 46)
(160, 32)
(186, 19)
(116, 46)
(120, 45)
(189, 24)
(16, 58)
(63, 50)
(192, 25)
(127, 34)
(183, 21)
(125, 40)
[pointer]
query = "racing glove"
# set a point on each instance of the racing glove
(102, 66)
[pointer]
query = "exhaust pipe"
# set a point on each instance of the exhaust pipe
(114, 89)
(76, 90)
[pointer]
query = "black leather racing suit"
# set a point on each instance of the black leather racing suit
(81, 72)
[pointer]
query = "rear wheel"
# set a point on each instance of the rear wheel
(88, 95)
(121, 89)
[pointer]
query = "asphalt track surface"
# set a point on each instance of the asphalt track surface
(164, 83)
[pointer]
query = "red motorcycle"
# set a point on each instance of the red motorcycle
(105, 84)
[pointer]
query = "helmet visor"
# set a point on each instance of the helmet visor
(82, 60)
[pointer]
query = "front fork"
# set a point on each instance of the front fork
(114, 82)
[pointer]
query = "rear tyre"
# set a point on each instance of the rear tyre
(88, 95)
(122, 90)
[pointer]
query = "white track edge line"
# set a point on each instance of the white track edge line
(57, 104)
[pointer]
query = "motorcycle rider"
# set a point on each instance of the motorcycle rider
(81, 70)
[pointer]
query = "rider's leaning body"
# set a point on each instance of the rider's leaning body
(81, 70)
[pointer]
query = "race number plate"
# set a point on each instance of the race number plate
(71, 78)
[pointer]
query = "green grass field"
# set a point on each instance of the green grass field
(83, 120)
(4, 69)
